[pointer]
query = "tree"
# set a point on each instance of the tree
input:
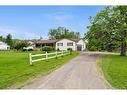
(119, 16)
(19, 44)
(62, 32)
(108, 29)
(40, 38)
(9, 40)
(2, 38)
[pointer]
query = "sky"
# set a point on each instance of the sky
(31, 22)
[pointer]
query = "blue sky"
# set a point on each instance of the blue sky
(31, 22)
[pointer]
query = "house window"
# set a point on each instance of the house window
(70, 44)
(59, 44)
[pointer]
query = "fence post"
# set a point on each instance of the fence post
(56, 54)
(69, 52)
(30, 56)
(62, 53)
(46, 55)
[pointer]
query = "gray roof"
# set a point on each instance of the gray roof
(75, 40)
(51, 41)
(44, 41)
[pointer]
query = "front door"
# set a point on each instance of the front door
(79, 48)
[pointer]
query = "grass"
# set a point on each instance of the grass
(114, 68)
(15, 68)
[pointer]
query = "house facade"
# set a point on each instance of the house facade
(63, 44)
(76, 45)
(4, 46)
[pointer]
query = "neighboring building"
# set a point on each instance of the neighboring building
(4, 46)
(62, 44)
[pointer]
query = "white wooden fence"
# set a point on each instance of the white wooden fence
(46, 56)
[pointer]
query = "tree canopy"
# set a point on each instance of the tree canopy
(62, 32)
(19, 44)
(9, 40)
(108, 30)
(2, 39)
(14, 43)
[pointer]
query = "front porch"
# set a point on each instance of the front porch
(44, 44)
(41, 43)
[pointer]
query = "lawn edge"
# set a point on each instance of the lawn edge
(101, 73)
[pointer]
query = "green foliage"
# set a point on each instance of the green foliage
(9, 40)
(48, 48)
(2, 39)
(108, 30)
(14, 43)
(18, 44)
(58, 49)
(62, 32)
(30, 49)
(69, 49)
(92, 47)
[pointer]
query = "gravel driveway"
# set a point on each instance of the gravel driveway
(80, 73)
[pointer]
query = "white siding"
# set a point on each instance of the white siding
(82, 43)
(4, 46)
(65, 47)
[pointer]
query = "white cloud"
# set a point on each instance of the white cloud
(18, 34)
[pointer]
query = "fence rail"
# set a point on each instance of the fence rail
(46, 56)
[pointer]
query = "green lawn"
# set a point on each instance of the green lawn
(15, 68)
(114, 68)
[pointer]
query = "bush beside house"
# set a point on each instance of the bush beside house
(48, 48)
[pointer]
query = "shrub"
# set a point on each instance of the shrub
(70, 49)
(24, 49)
(58, 49)
(53, 48)
(93, 48)
(30, 49)
(47, 48)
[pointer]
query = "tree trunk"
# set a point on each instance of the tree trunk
(123, 49)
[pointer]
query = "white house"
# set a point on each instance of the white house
(64, 44)
(4, 46)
